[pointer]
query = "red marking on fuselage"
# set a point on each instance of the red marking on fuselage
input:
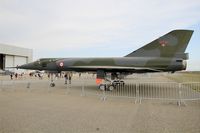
(99, 81)
(163, 43)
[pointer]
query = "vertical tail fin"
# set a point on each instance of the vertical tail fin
(172, 44)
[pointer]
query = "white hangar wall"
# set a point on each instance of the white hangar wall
(11, 56)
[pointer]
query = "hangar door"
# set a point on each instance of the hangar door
(19, 60)
(9, 61)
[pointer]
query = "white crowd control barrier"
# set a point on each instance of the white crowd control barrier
(180, 92)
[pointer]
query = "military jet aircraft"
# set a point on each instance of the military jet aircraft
(165, 54)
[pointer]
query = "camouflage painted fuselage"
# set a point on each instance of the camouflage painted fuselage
(120, 64)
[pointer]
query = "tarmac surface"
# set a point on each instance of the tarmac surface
(41, 109)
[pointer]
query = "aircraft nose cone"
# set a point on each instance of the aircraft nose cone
(25, 66)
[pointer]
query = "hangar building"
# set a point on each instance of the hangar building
(11, 56)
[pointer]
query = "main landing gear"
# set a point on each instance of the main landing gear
(111, 85)
(111, 80)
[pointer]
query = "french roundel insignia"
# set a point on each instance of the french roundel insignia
(163, 43)
(61, 64)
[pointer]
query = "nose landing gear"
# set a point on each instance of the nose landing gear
(52, 84)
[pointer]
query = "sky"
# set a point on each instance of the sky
(96, 28)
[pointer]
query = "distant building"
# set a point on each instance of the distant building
(11, 56)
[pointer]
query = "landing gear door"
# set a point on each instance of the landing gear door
(100, 74)
(100, 77)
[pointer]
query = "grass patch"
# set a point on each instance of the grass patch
(182, 77)
(185, 77)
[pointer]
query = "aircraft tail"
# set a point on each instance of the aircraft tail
(173, 44)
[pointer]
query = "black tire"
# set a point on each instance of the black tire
(111, 88)
(122, 83)
(102, 87)
(52, 84)
(115, 83)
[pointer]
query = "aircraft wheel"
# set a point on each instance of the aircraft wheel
(111, 88)
(52, 84)
(122, 83)
(115, 83)
(102, 87)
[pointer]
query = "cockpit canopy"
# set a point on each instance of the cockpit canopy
(44, 61)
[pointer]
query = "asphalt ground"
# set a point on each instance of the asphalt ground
(62, 109)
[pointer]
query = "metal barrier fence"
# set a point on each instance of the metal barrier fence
(179, 92)
(138, 91)
(146, 90)
(190, 91)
